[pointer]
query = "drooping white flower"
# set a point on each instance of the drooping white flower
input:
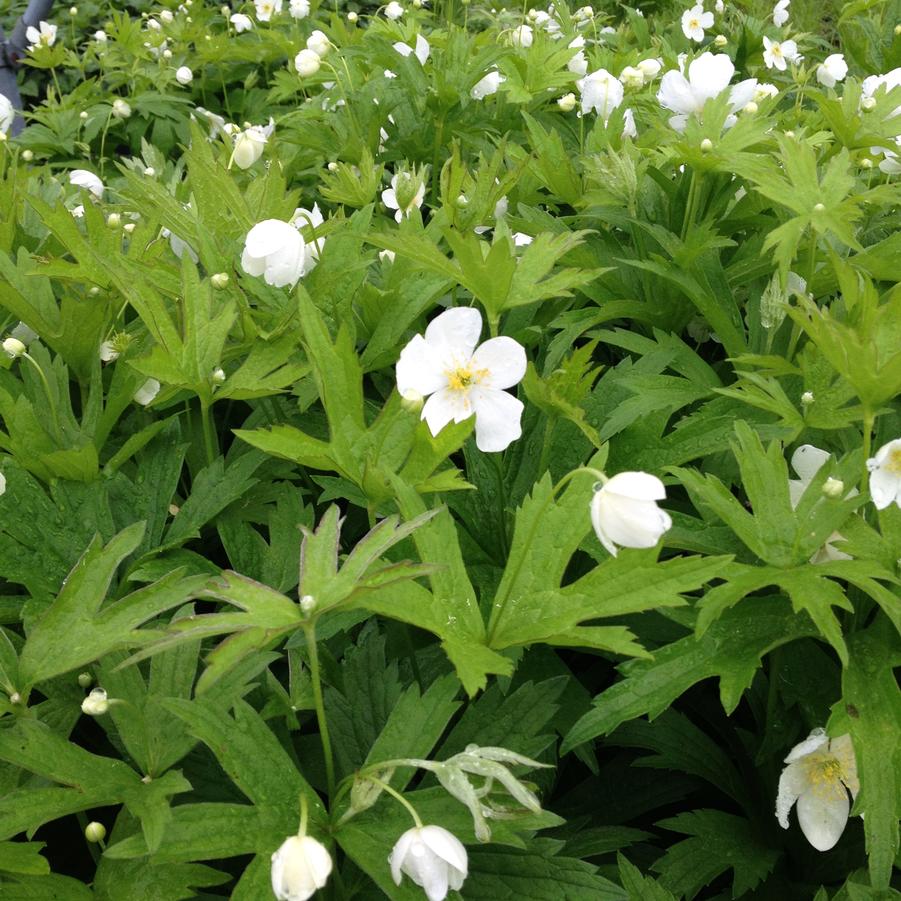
(433, 858)
(578, 65)
(7, 114)
(694, 21)
(241, 23)
(780, 13)
(277, 251)
(567, 102)
(601, 92)
(885, 475)
(147, 392)
(777, 54)
(394, 11)
(420, 51)
(522, 36)
(266, 9)
(319, 43)
(629, 129)
(121, 108)
(820, 774)
(249, 144)
(307, 63)
(13, 347)
(708, 76)
(624, 511)
(83, 178)
(402, 206)
(487, 85)
(833, 69)
(96, 703)
(184, 76)
(632, 77)
(300, 867)
(299, 9)
(464, 380)
(311, 219)
(650, 68)
(42, 36)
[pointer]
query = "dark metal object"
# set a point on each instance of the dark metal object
(12, 49)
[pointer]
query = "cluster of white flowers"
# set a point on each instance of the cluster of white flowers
(308, 60)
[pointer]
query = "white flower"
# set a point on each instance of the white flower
(2, 483)
(463, 380)
(819, 775)
(763, 90)
(650, 68)
(578, 65)
(632, 77)
(719, 6)
(421, 51)
(394, 11)
(307, 63)
(13, 347)
(96, 703)
(167, 16)
(624, 511)
(433, 858)
(487, 85)
(299, 9)
(567, 102)
(806, 462)
(521, 36)
(311, 219)
(600, 92)
(777, 54)
(780, 13)
(629, 129)
(249, 144)
(100, 36)
(42, 36)
(266, 9)
(7, 114)
(108, 352)
(277, 251)
(300, 867)
(708, 76)
(694, 21)
(386, 255)
(833, 69)
(390, 199)
(885, 475)
(121, 109)
(241, 22)
(183, 75)
(82, 178)
(147, 392)
(319, 43)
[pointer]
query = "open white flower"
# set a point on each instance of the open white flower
(240, 22)
(885, 475)
(403, 206)
(832, 70)
(277, 251)
(463, 380)
(83, 178)
(777, 54)
(266, 9)
(420, 51)
(694, 21)
(708, 76)
(780, 13)
(487, 85)
(819, 775)
(624, 511)
(601, 92)
(300, 867)
(42, 36)
(433, 858)
(7, 114)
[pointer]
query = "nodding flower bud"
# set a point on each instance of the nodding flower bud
(85, 679)
(807, 398)
(720, 40)
(13, 347)
(567, 102)
(219, 279)
(114, 220)
(96, 703)
(218, 376)
(95, 832)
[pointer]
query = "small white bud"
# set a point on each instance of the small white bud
(790, 134)
(461, 202)
(129, 227)
(352, 17)
(149, 171)
(868, 103)
(85, 679)
(73, 10)
(166, 16)
(218, 376)
(807, 398)
(114, 220)
(819, 208)
(706, 145)
(96, 703)
(27, 155)
(183, 75)
(95, 832)
(83, 115)
(833, 487)
(307, 604)
(332, 167)
(720, 40)
(13, 347)
(567, 102)
(751, 108)
(865, 163)
(307, 63)
(94, 291)
(219, 279)
(167, 54)
(15, 698)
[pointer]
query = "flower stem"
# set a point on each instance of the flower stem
(209, 432)
(868, 420)
(397, 797)
(316, 676)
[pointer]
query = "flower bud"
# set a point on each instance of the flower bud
(167, 54)
(95, 832)
(27, 155)
(96, 703)
(868, 103)
(219, 279)
(15, 697)
(352, 17)
(149, 171)
(865, 163)
(567, 102)
(406, 189)
(129, 227)
(632, 77)
(720, 40)
(833, 487)
(807, 398)
(819, 208)
(183, 75)
(73, 10)
(307, 63)
(897, 30)
(307, 604)
(300, 867)
(319, 43)
(85, 679)
(751, 108)
(389, 256)
(706, 145)
(114, 220)
(218, 376)
(166, 16)
(83, 115)
(121, 110)
(13, 347)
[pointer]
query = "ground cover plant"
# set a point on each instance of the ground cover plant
(451, 450)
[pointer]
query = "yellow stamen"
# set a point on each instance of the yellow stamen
(463, 377)
(825, 774)
(893, 463)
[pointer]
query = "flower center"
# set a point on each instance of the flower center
(464, 377)
(824, 773)
(777, 50)
(893, 463)
(694, 23)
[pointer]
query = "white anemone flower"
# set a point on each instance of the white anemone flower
(820, 774)
(777, 54)
(240, 22)
(83, 178)
(420, 51)
(300, 867)
(266, 9)
(433, 858)
(277, 251)
(299, 9)
(393, 11)
(522, 36)
(885, 475)
(578, 65)
(464, 380)
(42, 36)
(487, 85)
(694, 21)
(249, 144)
(7, 114)
(601, 91)
(708, 76)
(319, 43)
(307, 62)
(832, 70)
(391, 200)
(650, 68)
(780, 13)
(624, 511)
(184, 76)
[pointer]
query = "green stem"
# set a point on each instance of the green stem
(209, 431)
(546, 445)
(397, 797)
(689, 215)
(51, 401)
(868, 419)
(316, 677)
(502, 499)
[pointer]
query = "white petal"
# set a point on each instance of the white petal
(792, 782)
(253, 265)
(822, 817)
(638, 485)
(631, 523)
(675, 94)
(457, 330)
(446, 405)
(434, 881)
(420, 369)
(709, 75)
(505, 360)
(399, 853)
(885, 487)
(389, 198)
(446, 845)
(498, 417)
(816, 740)
(268, 236)
(807, 461)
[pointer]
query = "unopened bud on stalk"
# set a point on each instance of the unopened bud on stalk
(96, 703)
(219, 279)
(85, 679)
(833, 487)
(114, 220)
(95, 832)
(13, 347)
(706, 145)
(807, 398)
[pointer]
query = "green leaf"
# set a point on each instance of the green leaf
(638, 887)
(23, 858)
